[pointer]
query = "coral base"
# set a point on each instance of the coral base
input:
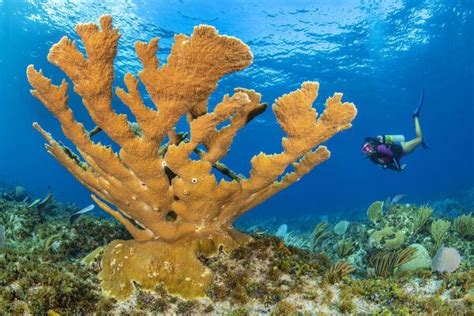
(176, 265)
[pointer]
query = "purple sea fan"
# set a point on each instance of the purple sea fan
(446, 260)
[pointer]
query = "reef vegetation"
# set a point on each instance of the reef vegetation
(49, 265)
(41, 256)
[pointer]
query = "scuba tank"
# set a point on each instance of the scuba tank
(393, 139)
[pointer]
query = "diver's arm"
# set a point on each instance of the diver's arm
(392, 166)
(395, 165)
(376, 161)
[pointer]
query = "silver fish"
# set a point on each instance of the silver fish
(389, 202)
(76, 215)
(397, 198)
(386, 204)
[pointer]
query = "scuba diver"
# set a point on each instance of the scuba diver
(387, 150)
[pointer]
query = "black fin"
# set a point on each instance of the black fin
(420, 103)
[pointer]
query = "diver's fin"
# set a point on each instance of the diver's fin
(420, 103)
(425, 145)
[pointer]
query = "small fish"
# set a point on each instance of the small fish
(34, 203)
(44, 203)
(389, 202)
(386, 204)
(397, 198)
(76, 215)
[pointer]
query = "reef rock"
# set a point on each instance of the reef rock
(20, 193)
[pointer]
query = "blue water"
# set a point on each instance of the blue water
(380, 54)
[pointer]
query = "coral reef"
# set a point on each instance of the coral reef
(52, 268)
(394, 274)
(40, 260)
(169, 202)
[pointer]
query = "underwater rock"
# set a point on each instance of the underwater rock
(20, 193)
(341, 227)
(420, 260)
(448, 207)
(282, 231)
(446, 259)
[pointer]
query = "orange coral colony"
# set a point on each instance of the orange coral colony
(172, 205)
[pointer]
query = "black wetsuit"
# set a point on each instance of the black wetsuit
(386, 155)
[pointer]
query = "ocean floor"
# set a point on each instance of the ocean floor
(401, 259)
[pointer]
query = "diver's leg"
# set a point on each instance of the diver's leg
(410, 146)
(418, 128)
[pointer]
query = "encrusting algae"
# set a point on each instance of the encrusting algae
(171, 204)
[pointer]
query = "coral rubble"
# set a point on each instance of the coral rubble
(171, 204)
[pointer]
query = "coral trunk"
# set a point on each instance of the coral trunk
(176, 265)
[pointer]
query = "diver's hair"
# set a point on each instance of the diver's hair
(374, 141)
(371, 140)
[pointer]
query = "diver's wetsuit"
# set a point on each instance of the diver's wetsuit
(386, 155)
